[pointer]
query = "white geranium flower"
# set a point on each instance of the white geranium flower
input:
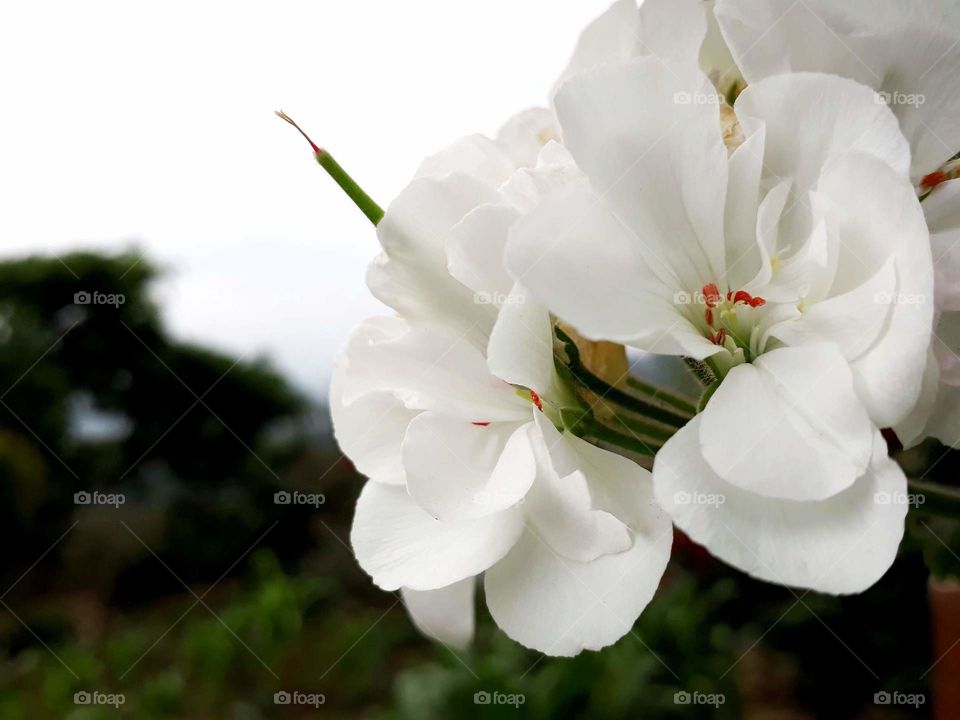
(452, 410)
(909, 51)
(798, 267)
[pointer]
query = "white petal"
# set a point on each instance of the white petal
(523, 135)
(812, 119)
(399, 545)
(788, 426)
(617, 485)
(369, 431)
(475, 155)
(477, 243)
(942, 210)
(457, 470)
(411, 274)
(428, 367)
(476, 251)
(562, 607)
(651, 145)
(669, 30)
(839, 545)
(445, 614)
(560, 506)
(907, 50)
(853, 321)
(609, 293)
(743, 259)
(879, 217)
(914, 428)
(521, 344)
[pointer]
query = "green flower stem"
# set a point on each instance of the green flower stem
(655, 393)
(937, 499)
(356, 193)
(614, 395)
(657, 433)
(595, 432)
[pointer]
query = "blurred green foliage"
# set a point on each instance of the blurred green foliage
(201, 598)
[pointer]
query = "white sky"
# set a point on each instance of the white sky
(152, 124)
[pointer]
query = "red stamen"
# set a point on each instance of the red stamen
(720, 337)
(708, 314)
(933, 179)
(757, 302)
(479, 424)
(742, 296)
(536, 400)
(729, 295)
(711, 294)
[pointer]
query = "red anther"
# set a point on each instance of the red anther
(480, 424)
(933, 179)
(708, 314)
(757, 302)
(711, 294)
(742, 296)
(536, 400)
(729, 295)
(720, 337)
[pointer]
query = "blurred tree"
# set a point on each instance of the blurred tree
(95, 395)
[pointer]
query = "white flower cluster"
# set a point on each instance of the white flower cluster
(720, 182)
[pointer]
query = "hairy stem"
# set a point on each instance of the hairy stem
(665, 396)
(614, 395)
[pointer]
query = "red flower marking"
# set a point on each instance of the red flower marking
(933, 179)
(711, 294)
(480, 424)
(536, 400)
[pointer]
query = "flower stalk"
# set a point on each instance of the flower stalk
(616, 396)
(582, 424)
(353, 190)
